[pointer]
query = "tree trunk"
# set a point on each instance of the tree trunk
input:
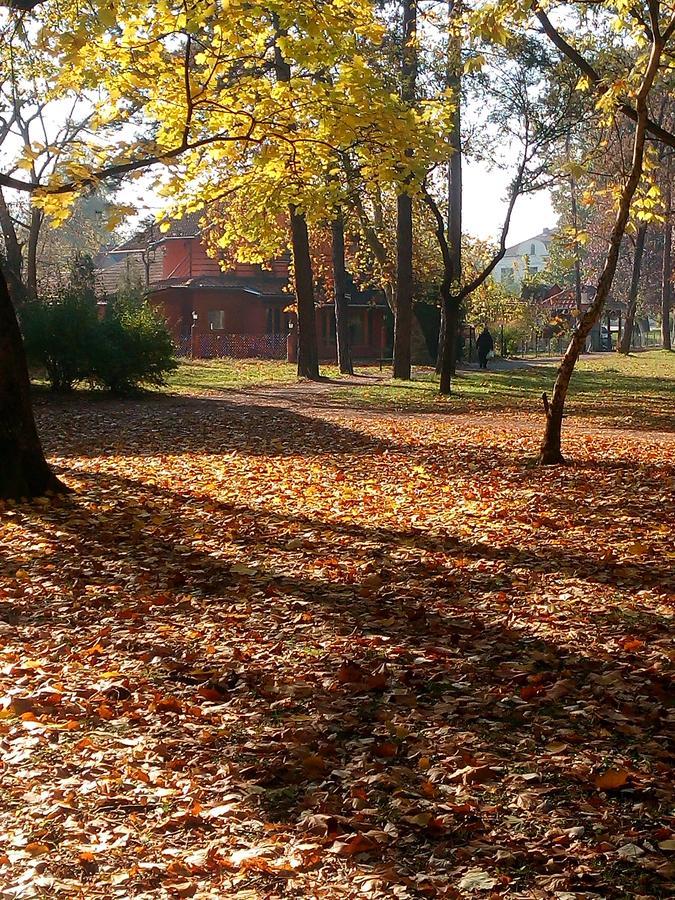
(36, 218)
(575, 225)
(12, 265)
(441, 338)
(404, 288)
(344, 350)
(667, 271)
(449, 345)
(453, 263)
(308, 355)
(551, 447)
(404, 216)
(23, 469)
(376, 246)
(627, 337)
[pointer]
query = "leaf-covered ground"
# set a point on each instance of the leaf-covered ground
(276, 647)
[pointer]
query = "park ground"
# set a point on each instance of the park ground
(345, 640)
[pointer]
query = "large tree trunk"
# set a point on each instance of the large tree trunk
(23, 469)
(627, 336)
(667, 271)
(404, 288)
(404, 216)
(449, 363)
(308, 356)
(453, 272)
(344, 350)
(12, 264)
(551, 449)
(36, 219)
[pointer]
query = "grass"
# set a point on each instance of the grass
(634, 391)
(623, 388)
(638, 390)
(193, 376)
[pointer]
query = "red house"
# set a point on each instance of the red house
(244, 312)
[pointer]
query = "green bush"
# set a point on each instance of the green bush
(129, 347)
(133, 347)
(59, 338)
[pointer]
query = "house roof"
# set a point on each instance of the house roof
(566, 300)
(263, 284)
(186, 227)
(545, 237)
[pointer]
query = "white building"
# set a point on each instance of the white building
(527, 257)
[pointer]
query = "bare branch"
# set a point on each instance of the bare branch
(563, 45)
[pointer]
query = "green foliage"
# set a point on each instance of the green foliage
(59, 337)
(132, 347)
(129, 347)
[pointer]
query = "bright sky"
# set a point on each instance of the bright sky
(485, 205)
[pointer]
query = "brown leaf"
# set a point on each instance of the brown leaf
(611, 779)
(357, 843)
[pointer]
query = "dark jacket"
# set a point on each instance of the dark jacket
(485, 343)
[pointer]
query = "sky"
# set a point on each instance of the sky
(484, 203)
(484, 206)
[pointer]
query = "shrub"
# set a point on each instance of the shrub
(129, 347)
(59, 337)
(132, 347)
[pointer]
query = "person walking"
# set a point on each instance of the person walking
(485, 345)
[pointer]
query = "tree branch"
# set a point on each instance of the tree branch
(440, 233)
(557, 39)
(488, 270)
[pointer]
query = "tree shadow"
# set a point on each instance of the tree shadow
(404, 702)
(172, 425)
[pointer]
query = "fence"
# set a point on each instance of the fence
(238, 346)
(538, 345)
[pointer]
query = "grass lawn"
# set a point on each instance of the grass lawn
(627, 391)
(195, 376)
(602, 375)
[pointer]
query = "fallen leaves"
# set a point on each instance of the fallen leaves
(233, 666)
(611, 780)
(477, 880)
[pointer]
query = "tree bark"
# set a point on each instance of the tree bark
(12, 265)
(629, 324)
(449, 363)
(404, 217)
(36, 219)
(551, 447)
(453, 258)
(441, 338)
(24, 472)
(667, 271)
(404, 288)
(308, 356)
(344, 350)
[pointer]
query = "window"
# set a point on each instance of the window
(532, 269)
(533, 250)
(217, 319)
(274, 320)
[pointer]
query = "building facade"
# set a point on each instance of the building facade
(246, 311)
(525, 258)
